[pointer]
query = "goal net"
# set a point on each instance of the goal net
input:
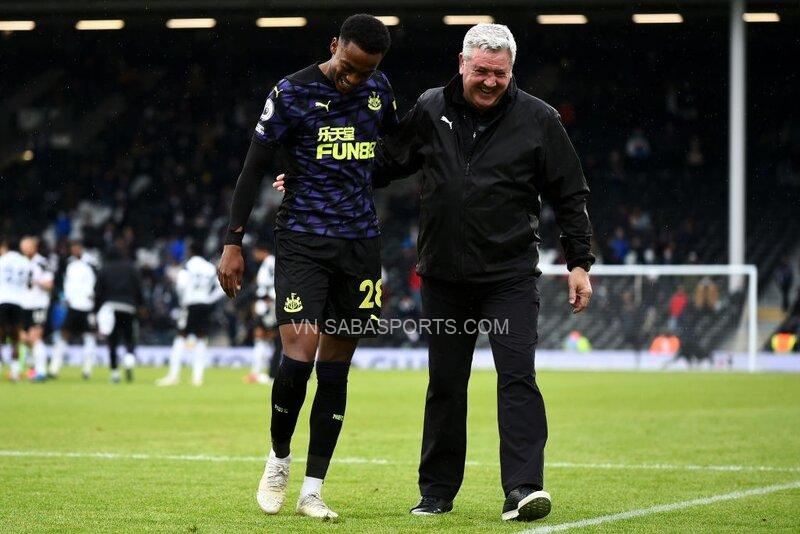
(645, 316)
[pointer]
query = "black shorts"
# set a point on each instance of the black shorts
(11, 317)
(78, 322)
(332, 282)
(35, 317)
(195, 319)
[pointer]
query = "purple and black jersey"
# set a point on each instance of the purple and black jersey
(330, 141)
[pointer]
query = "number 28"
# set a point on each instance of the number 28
(370, 287)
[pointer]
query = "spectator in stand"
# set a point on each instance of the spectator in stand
(677, 305)
(632, 321)
(619, 245)
(706, 295)
(640, 221)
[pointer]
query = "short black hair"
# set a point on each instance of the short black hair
(195, 248)
(369, 33)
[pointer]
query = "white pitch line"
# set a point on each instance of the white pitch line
(383, 461)
(176, 457)
(676, 467)
(705, 501)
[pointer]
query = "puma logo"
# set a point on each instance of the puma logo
(447, 121)
(321, 105)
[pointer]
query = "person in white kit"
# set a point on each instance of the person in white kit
(79, 281)
(35, 305)
(198, 290)
(15, 273)
(264, 323)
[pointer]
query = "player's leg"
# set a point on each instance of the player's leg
(301, 284)
(326, 419)
(198, 326)
(512, 309)
(68, 330)
(176, 353)
(259, 354)
(35, 335)
(352, 312)
(14, 333)
(2, 335)
(113, 351)
(86, 329)
(289, 389)
(448, 307)
(127, 325)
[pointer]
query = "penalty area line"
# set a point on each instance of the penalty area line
(661, 508)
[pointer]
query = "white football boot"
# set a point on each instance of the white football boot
(272, 488)
(168, 381)
(312, 505)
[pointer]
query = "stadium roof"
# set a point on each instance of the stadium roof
(110, 6)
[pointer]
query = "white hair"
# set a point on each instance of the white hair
(492, 37)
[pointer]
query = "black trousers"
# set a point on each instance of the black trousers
(513, 303)
(122, 333)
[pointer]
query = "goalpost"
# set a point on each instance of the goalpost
(711, 309)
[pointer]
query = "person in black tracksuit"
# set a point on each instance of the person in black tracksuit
(487, 151)
(118, 287)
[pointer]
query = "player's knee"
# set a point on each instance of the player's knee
(300, 349)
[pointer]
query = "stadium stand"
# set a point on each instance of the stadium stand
(146, 155)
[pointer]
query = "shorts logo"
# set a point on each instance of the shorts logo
(321, 105)
(293, 304)
(374, 102)
(269, 109)
(338, 417)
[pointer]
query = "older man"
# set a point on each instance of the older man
(488, 151)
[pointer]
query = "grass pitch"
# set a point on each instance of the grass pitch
(187, 459)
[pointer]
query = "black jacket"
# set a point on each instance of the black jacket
(118, 281)
(482, 177)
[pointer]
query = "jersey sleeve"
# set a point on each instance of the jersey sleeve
(279, 116)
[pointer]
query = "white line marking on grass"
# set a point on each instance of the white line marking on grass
(177, 457)
(705, 501)
(383, 461)
(675, 467)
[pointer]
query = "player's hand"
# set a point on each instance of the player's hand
(231, 270)
(580, 289)
(279, 182)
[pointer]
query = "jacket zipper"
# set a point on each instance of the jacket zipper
(461, 226)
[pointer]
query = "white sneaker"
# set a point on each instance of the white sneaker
(197, 382)
(167, 381)
(312, 505)
(272, 488)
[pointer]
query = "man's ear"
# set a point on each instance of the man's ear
(461, 63)
(334, 46)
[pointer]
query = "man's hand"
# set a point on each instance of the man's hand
(580, 289)
(231, 270)
(279, 182)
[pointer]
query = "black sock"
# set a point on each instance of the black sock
(288, 394)
(327, 415)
